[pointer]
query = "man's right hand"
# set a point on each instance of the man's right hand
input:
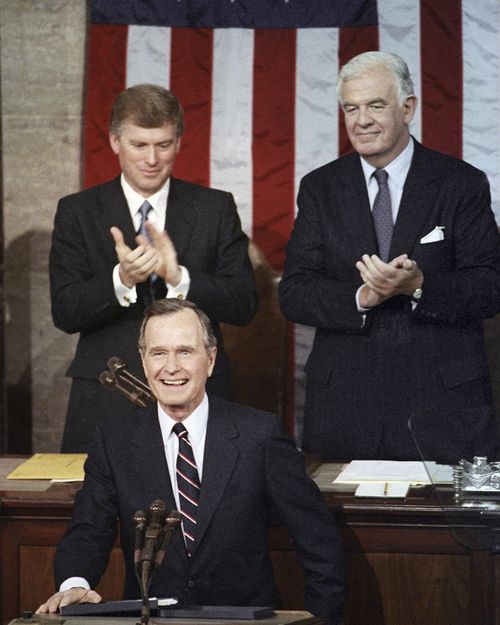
(384, 280)
(135, 265)
(67, 597)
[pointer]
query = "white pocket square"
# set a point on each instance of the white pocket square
(434, 235)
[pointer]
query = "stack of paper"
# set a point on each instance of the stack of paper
(391, 478)
(56, 467)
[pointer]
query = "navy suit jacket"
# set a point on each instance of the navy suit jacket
(206, 231)
(368, 375)
(250, 467)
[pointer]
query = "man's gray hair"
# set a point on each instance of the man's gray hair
(170, 306)
(368, 60)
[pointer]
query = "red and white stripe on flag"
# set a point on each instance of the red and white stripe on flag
(260, 103)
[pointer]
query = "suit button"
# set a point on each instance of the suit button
(191, 584)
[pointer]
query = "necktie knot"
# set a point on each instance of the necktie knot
(179, 429)
(381, 176)
(144, 210)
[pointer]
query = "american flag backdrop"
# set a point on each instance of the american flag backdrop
(257, 81)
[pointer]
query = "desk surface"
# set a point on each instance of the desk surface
(56, 499)
(403, 563)
(280, 618)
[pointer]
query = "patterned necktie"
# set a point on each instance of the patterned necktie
(145, 209)
(382, 214)
(188, 484)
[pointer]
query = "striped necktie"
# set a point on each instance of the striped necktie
(382, 214)
(188, 485)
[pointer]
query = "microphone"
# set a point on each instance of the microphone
(140, 527)
(151, 536)
(172, 521)
(118, 378)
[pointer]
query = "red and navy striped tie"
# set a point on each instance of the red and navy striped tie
(188, 484)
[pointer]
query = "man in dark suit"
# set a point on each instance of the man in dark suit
(397, 303)
(103, 273)
(249, 468)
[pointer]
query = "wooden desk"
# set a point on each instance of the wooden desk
(280, 618)
(404, 565)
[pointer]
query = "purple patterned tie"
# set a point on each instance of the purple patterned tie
(382, 214)
(188, 484)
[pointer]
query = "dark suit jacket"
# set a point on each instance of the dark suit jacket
(205, 228)
(366, 378)
(249, 466)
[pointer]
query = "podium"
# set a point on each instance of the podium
(279, 618)
(403, 562)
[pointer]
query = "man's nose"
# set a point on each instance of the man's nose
(171, 363)
(151, 156)
(364, 117)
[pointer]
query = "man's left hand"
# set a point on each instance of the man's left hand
(384, 280)
(167, 268)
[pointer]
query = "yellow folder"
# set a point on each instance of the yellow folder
(61, 467)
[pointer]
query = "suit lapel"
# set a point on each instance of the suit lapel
(115, 212)
(355, 207)
(220, 456)
(148, 457)
(417, 201)
(181, 215)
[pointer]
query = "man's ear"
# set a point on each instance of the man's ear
(141, 354)
(114, 142)
(410, 106)
(212, 356)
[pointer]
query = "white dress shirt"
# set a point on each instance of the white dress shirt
(196, 425)
(397, 171)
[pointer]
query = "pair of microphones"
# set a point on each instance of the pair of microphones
(117, 377)
(153, 532)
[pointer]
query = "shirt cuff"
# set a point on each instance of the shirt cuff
(74, 582)
(181, 290)
(124, 295)
(360, 308)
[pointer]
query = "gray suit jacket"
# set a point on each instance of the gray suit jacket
(367, 377)
(250, 468)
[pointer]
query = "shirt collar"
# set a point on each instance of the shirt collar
(397, 168)
(135, 200)
(195, 423)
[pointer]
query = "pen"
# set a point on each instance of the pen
(386, 488)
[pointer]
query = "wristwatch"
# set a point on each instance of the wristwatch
(417, 294)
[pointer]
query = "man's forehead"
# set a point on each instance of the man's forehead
(377, 81)
(182, 323)
(129, 127)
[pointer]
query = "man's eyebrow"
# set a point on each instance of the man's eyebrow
(374, 101)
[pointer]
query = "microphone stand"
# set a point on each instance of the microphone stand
(153, 541)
